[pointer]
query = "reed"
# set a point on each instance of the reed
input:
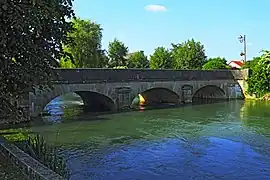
(36, 146)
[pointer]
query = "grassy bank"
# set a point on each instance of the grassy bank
(265, 97)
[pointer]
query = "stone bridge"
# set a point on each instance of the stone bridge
(115, 89)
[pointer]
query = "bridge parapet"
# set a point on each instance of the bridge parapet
(85, 75)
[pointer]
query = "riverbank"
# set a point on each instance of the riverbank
(266, 97)
(8, 171)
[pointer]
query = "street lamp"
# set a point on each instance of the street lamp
(242, 39)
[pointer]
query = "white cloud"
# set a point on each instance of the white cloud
(155, 8)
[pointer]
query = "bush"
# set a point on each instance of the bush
(259, 81)
(215, 63)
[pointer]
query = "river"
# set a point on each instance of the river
(228, 140)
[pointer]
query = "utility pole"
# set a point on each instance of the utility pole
(242, 39)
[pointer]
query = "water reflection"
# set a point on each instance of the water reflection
(255, 115)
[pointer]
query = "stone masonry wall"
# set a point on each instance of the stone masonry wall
(127, 75)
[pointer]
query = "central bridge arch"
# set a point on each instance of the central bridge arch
(96, 102)
(160, 95)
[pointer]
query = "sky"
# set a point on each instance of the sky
(148, 24)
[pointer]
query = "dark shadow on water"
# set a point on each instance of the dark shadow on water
(171, 106)
(40, 121)
(80, 113)
(96, 116)
(199, 101)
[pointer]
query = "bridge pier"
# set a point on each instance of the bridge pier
(124, 98)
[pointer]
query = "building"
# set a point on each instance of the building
(236, 64)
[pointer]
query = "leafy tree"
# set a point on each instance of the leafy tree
(188, 55)
(215, 63)
(31, 34)
(259, 81)
(103, 59)
(138, 60)
(66, 63)
(117, 53)
(85, 47)
(161, 59)
(251, 64)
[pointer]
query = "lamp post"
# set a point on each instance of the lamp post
(242, 39)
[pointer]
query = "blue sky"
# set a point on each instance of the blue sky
(147, 24)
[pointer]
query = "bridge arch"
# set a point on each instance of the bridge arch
(95, 101)
(209, 93)
(160, 95)
(92, 99)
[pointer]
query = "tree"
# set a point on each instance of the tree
(138, 60)
(103, 59)
(188, 55)
(161, 59)
(117, 52)
(85, 47)
(66, 63)
(259, 81)
(31, 35)
(251, 64)
(215, 63)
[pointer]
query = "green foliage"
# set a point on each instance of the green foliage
(85, 47)
(36, 146)
(31, 35)
(215, 63)
(117, 52)
(66, 63)
(259, 81)
(161, 59)
(188, 55)
(138, 60)
(120, 67)
(251, 64)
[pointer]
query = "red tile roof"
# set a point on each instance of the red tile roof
(239, 63)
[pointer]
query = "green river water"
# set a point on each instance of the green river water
(228, 140)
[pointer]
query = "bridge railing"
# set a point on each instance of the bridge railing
(126, 75)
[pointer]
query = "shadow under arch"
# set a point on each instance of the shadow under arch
(92, 101)
(160, 95)
(209, 94)
(97, 102)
